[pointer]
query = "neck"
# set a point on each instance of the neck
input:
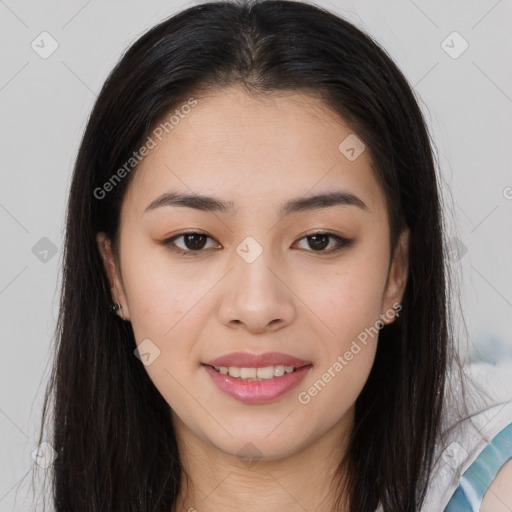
(305, 480)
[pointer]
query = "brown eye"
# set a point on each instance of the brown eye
(192, 242)
(319, 241)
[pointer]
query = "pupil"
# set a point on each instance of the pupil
(315, 243)
(192, 237)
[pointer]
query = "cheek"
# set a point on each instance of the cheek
(166, 307)
(156, 302)
(159, 294)
(347, 297)
(347, 303)
(350, 309)
(333, 391)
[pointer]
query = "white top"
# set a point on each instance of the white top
(459, 450)
(466, 443)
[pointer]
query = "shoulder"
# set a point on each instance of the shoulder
(473, 465)
(476, 464)
(498, 497)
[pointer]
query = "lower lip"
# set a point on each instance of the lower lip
(257, 391)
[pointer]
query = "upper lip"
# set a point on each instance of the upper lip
(248, 360)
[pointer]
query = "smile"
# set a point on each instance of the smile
(262, 373)
(256, 385)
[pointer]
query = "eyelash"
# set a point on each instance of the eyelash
(169, 242)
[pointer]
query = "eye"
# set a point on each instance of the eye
(319, 241)
(193, 241)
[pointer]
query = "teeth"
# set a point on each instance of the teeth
(246, 373)
(263, 373)
(278, 371)
(234, 371)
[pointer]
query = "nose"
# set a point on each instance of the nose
(256, 296)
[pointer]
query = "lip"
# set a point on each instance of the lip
(252, 392)
(249, 360)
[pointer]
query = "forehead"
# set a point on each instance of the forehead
(254, 151)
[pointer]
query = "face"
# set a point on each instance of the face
(312, 280)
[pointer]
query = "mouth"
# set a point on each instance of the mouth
(253, 385)
(256, 374)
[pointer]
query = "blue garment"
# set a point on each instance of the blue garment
(479, 476)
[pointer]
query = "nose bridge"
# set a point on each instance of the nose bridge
(253, 264)
(256, 295)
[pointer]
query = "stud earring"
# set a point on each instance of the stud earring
(117, 307)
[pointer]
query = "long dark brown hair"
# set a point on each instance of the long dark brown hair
(111, 428)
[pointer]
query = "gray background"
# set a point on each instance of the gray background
(44, 107)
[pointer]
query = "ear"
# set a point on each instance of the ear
(397, 278)
(113, 274)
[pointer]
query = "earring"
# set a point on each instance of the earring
(117, 307)
(397, 312)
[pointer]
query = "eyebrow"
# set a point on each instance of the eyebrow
(300, 204)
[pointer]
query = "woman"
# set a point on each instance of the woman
(256, 196)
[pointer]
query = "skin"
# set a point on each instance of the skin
(259, 153)
(498, 498)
